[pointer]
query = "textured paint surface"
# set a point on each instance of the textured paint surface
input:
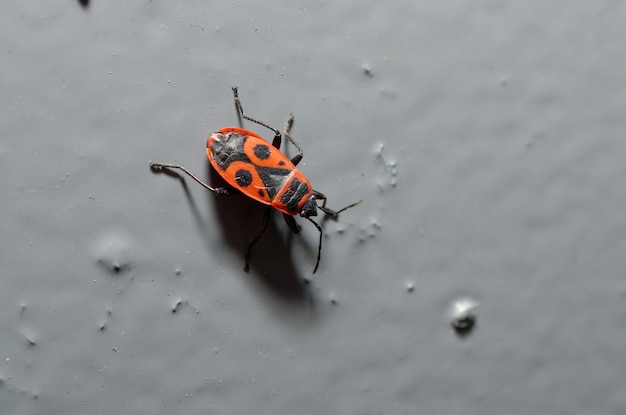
(486, 140)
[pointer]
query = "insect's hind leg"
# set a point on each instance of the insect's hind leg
(277, 137)
(288, 124)
(264, 223)
(160, 167)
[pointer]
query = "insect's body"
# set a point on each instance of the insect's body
(262, 172)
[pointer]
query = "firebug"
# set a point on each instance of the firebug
(249, 164)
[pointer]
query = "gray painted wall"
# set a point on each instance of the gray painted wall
(487, 142)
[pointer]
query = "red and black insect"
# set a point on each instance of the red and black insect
(262, 172)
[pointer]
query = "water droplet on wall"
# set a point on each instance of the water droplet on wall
(463, 314)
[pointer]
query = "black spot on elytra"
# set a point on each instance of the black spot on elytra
(262, 151)
(243, 177)
(261, 192)
(281, 163)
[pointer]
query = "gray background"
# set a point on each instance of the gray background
(501, 178)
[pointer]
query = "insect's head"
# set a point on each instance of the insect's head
(309, 208)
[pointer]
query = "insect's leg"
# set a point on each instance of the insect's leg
(319, 246)
(264, 223)
(288, 124)
(277, 138)
(159, 167)
(291, 222)
(330, 212)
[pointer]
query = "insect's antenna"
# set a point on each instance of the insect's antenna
(319, 246)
